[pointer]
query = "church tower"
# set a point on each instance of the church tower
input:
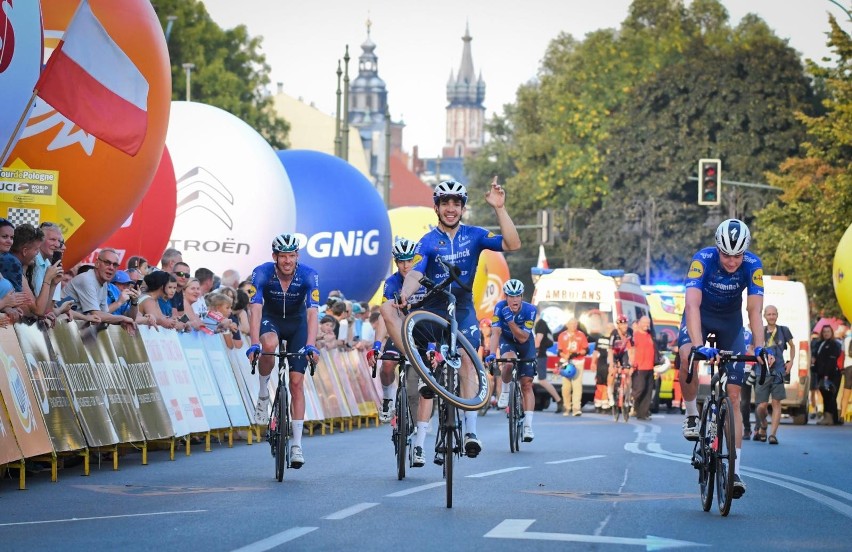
(465, 112)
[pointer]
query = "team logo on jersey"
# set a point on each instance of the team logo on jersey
(417, 258)
(315, 296)
(251, 290)
(757, 277)
(696, 270)
(528, 324)
(495, 319)
(490, 235)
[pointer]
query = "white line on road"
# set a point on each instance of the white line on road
(577, 459)
(517, 529)
(495, 472)
(271, 542)
(413, 490)
(101, 517)
(351, 511)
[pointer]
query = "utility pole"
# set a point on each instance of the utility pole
(188, 67)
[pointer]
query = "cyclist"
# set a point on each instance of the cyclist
(714, 285)
(284, 307)
(460, 245)
(512, 335)
(618, 355)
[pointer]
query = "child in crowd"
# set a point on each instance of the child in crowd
(217, 319)
(326, 338)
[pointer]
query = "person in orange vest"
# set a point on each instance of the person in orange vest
(573, 345)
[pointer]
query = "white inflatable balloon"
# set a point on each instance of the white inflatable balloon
(233, 194)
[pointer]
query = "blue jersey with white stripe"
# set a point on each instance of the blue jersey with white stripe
(524, 318)
(302, 293)
(722, 292)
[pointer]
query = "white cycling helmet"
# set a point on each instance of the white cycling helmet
(449, 189)
(733, 237)
(513, 288)
(285, 243)
(403, 249)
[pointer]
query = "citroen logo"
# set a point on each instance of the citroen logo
(200, 189)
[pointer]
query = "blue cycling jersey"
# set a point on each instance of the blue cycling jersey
(462, 250)
(525, 319)
(722, 292)
(393, 284)
(302, 294)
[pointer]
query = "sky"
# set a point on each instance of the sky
(418, 44)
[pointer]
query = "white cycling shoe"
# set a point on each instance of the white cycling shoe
(261, 411)
(296, 458)
(503, 401)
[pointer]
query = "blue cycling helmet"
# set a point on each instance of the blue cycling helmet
(450, 189)
(403, 249)
(285, 243)
(568, 371)
(513, 288)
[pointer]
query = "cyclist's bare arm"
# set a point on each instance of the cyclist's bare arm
(255, 314)
(692, 308)
(496, 197)
(754, 307)
(494, 345)
(518, 333)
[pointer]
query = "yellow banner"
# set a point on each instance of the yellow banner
(9, 451)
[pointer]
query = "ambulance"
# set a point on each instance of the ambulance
(595, 298)
(666, 303)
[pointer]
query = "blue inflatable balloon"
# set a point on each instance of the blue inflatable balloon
(341, 222)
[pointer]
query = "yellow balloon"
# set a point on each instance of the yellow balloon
(842, 273)
(411, 223)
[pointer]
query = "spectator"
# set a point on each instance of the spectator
(11, 301)
(218, 317)
(326, 339)
(205, 279)
(182, 275)
(573, 345)
(121, 292)
(600, 360)
(367, 333)
(642, 368)
(20, 260)
(815, 401)
(89, 292)
(230, 278)
(191, 295)
(826, 355)
(341, 323)
(170, 257)
(543, 341)
(847, 372)
(156, 301)
(138, 263)
(240, 314)
(42, 261)
(778, 339)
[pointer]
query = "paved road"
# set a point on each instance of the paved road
(584, 483)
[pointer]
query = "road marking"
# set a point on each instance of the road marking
(417, 489)
(101, 517)
(271, 542)
(577, 459)
(351, 511)
(517, 529)
(495, 472)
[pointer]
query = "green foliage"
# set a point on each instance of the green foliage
(230, 72)
(798, 235)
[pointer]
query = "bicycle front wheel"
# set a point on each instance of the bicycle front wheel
(420, 329)
(515, 413)
(280, 433)
(402, 422)
(725, 456)
(625, 402)
(706, 467)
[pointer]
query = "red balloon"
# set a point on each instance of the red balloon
(146, 233)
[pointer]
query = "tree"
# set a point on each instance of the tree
(798, 235)
(230, 72)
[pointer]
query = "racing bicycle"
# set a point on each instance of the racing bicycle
(280, 430)
(434, 346)
(402, 422)
(621, 392)
(714, 454)
(515, 409)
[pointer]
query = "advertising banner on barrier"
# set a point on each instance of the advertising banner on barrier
(25, 418)
(119, 396)
(341, 378)
(172, 372)
(247, 383)
(313, 406)
(346, 374)
(9, 451)
(205, 382)
(359, 374)
(147, 399)
(220, 365)
(49, 385)
(88, 397)
(329, 392)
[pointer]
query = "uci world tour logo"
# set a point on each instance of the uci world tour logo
(200, 189)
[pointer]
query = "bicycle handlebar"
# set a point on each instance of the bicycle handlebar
(400, 359)
(432, 288)
(311, 362)
(727, 356)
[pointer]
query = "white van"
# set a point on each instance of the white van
(594, 298)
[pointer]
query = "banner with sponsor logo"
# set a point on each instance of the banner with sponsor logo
(331, 395)
(9, 451)
(88, 397)
(49, 385)
(147, 398)
(220, 365)
(339, 373)
(205, 382)
(248, 384)
(347, 372)
(119, 396)
(313, 405)
(172, 372)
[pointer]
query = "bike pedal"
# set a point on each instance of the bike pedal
(439, 459)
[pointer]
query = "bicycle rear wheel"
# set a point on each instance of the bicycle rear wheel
(625, 401)
(280, 431)
(422, 328)
(402, 421)
(725, 456)
(706, 467)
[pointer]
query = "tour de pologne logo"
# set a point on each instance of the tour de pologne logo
(19, 393)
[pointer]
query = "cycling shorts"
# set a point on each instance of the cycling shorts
(390, 347)
(525, 350)
(729, 337)
(293, 330)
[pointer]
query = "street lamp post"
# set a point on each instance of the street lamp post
(170, 21)
(188, 67)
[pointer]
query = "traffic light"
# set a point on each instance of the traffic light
(709, 181)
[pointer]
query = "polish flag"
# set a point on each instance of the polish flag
(542, 259)
(91, 81)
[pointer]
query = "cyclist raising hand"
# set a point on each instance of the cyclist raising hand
(714, 285)
(284, 307)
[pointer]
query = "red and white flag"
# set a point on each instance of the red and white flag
(90, 80)
(542, 260)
